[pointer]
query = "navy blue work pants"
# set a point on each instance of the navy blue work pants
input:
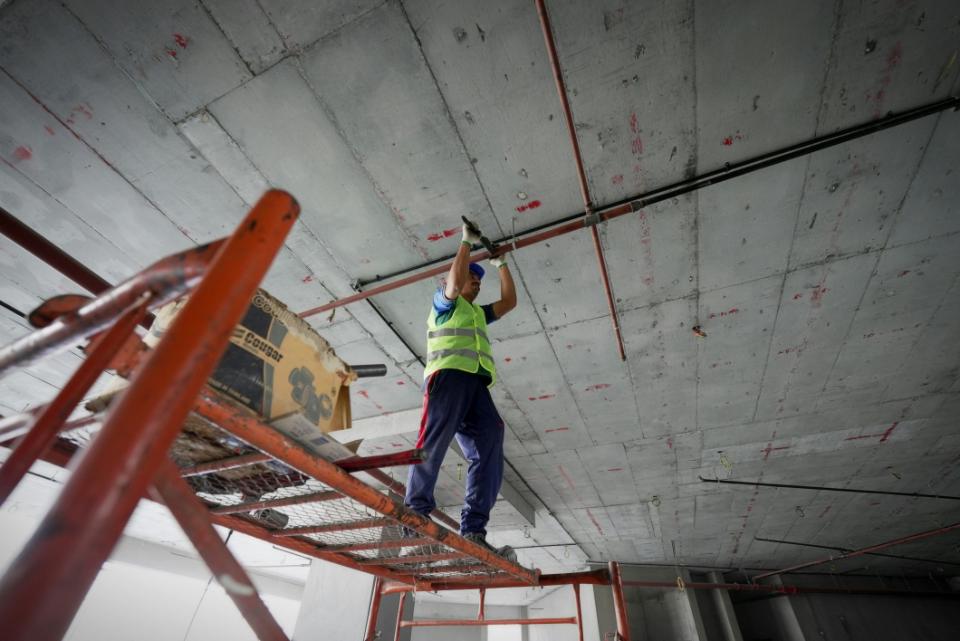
(457, 403)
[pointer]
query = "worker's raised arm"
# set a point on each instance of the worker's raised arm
(458, 275)
(508, 292)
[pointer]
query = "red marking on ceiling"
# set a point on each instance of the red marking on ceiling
(182, 41)
(874, 502)
(634, 124)
(566, 477)
(824, 513)
(816, 295)
(49, 130)
(768, 449)
(746, 516)
(533, 204)
(366, 395)
(22, 153)
(400, 383)
(615, 469)
(617, 180)
(670, 442)
(598, 386)
(797, 349)
(882, 436)
(307, 279)
(507, 359)
(797, 296)
(171, 52)
(543, 397)
(446, 233)
(636, 146)
(594, 521)
(85, 110)
(903, 273)
(889, 430)
(556, 429)
(893, 61)
(730, 312)
(729, 139)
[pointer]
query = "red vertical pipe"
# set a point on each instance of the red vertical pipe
(581, 173)
(46, 583)
(483, 596)
(48, 423)
(619, 604)
(194, 519)
(403, 601)
(576, 597)
(374, 609)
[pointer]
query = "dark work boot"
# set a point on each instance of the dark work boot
(480, 539)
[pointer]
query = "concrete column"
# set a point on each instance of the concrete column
(728, 618)
(335, 605)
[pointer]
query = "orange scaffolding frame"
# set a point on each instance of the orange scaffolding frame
(294, 499)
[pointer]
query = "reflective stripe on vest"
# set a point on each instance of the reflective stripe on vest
(461, 343)
(437, 333)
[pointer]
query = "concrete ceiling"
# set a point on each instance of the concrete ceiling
(827, 286)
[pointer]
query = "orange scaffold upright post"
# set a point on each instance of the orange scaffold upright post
(46, 583)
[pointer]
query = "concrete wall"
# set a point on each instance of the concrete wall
(560, 603)
(440, 610)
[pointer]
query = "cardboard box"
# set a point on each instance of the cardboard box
(277, 365)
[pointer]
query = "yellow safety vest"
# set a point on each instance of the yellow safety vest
(461, 342)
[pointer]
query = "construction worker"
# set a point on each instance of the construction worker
(459, 374)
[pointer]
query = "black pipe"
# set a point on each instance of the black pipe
(366, 371)
(727, 172)
(914, 495)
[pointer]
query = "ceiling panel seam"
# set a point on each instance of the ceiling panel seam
(873, 271)
(828, 65)
(236, 49)
(694, 160)
(449, 114)
(358, 157)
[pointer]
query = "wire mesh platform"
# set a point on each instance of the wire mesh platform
(275, 501)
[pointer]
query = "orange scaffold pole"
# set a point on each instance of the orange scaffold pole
(45, 584)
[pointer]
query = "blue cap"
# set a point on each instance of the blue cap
(477, 269)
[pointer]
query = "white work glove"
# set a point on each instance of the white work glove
(498, 261)
(470, 237)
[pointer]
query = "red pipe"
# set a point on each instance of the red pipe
(372, 632)
(364, 463)
(45, 584)
(166, 279)
(873, 548)
(50, 253)
(576, 597)
(593, 577)
(396, 632)
(581, 172)
(433, 623)
(483, 596)
(48, 423)
(193, 518)
(619, 603)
